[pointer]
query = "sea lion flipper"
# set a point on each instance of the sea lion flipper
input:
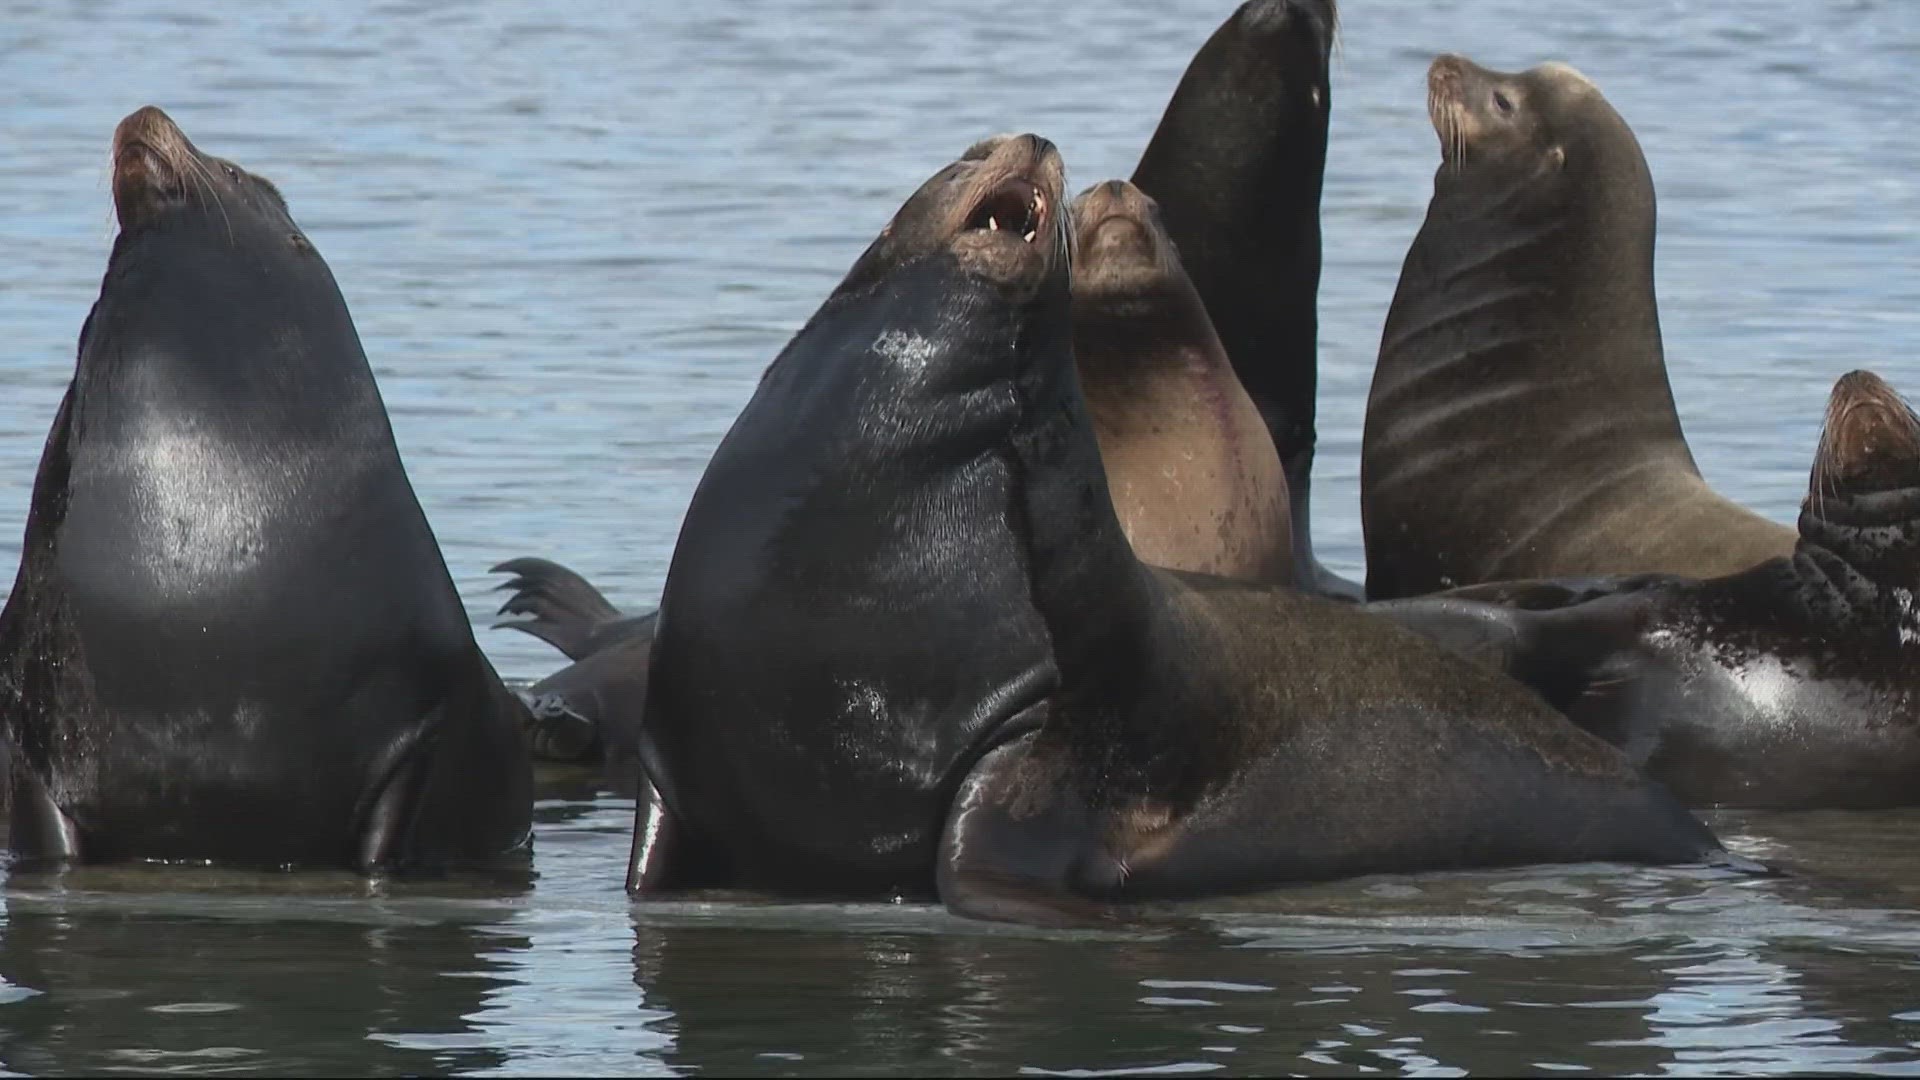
(39, 829)
(661, 859)
(1582, 658)
(1012, 845)
(560, 731)
(566, 608)
(1494, 635)
(389, 820)
(420, 806)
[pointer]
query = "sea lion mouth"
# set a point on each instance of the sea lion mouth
(1015, 206)
(1870, 441)
(1008, 220)
(1116, 227)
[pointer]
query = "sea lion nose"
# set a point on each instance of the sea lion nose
(1446, 68)
(148, 124)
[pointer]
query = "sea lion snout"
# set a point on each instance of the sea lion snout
(1871, 439)
(150, 159)
(1119, 240)
(1451, 79)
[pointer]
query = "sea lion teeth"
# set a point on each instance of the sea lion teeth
(993, 223)
(1029, 236)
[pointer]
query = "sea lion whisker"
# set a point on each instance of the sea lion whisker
(210, 184)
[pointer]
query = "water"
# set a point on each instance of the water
(572, 237)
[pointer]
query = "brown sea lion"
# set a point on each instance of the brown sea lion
(1237, 165)
(1192, 470)
(1520, 423)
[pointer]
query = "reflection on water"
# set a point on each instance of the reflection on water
(572, 238)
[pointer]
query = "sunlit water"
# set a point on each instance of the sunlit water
(572, 237)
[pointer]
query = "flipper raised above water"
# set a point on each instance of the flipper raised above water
(568, 612)
(589, 711)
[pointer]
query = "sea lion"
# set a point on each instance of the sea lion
(1795, 683)
(1236, 166)
(1191, 467)
(1520, 423)
(587, 713)
(232, 636)
(964, 680)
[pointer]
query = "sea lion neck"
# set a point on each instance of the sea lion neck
(192, 315)
(1128, 330)
(1077, 553)
(1877, 534)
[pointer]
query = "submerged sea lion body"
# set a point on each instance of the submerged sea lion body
(1520, 423)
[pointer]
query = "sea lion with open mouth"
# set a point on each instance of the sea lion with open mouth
(905, 646)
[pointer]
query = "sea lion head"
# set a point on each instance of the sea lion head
(998, 212)
(1121, 248)
(1863, 498)
(158, 170)
(1546, 121)
(1870, 442)
(1294, 37)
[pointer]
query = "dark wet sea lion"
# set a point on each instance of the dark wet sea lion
(232, 636)
(587, 713)
(844, 620)
(908, 536)
(1520, 423)
(1191, 468)
(1795, 683)
(1236, 166)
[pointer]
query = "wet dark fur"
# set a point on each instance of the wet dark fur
(232, 636)
(962, 678)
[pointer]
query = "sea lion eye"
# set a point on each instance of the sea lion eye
(1503, 103)
(232, 173)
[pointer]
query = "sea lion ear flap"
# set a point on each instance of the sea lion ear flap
(1556, 157)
